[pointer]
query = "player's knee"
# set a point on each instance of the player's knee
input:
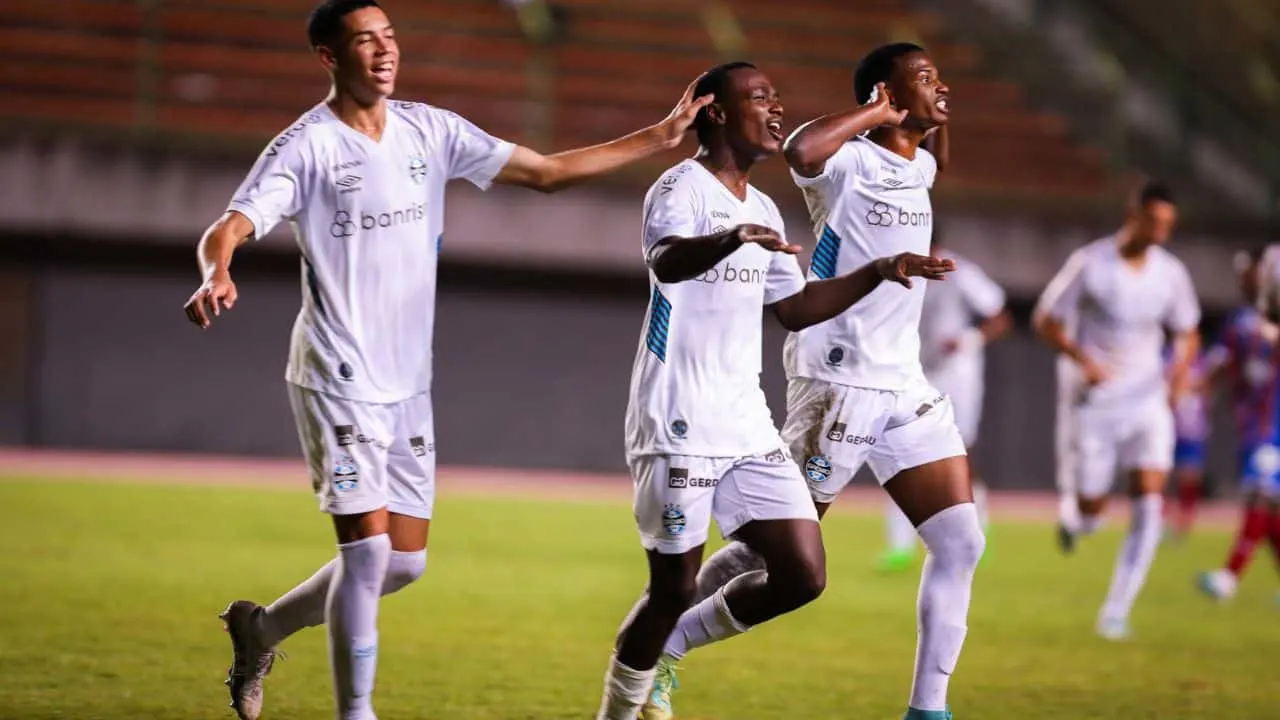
(957, 540)
(809, 584)
(674, 597)
(404, 569)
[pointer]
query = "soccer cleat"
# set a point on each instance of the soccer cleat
(658, 706)
(1217, 584)
(892, 561)
(251, 659)
(1066, 540)
(914, 714)
(1114, 628)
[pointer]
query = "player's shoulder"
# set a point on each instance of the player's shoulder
(421, 115)
(312, 128)
(679, 179)
(927, 161)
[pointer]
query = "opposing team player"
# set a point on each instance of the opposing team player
(1191, 439)
(362, 181)
(700, 439)
(1106, 313)
(1246, 358)
(960, 318)
(856, 392)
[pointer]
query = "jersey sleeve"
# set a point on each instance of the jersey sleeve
(984, 297)
(671, 209)
(845, 164)
(1183, 313)
(1061, 298)
(272, 191)
(471, 153)
(784, 278)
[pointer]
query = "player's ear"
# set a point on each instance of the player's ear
(715, 113)
(328, 58)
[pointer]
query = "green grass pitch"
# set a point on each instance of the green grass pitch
(110, 591)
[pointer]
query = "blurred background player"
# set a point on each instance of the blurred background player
(960, 317)
(1106, 313)
(1246, 359)
(856, 391)
(700, 438)
(360, 361)
(1191, 433)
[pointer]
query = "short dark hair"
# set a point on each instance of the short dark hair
(324, 26)
(877, 67)
(1156, 191)
(714, 82)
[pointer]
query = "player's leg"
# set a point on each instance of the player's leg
(763, 503)
(673, 519)
(821, 418)
(1146, 455)
(901, 537)
(923, 466)
(1188, 477)
(1088, 468)
(1258, 472)
(411, 471)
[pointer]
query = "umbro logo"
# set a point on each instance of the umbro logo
(348, 183)
(892, 182)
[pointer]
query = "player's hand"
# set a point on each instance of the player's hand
(674, 127)
(1094, 374)
(902, 267)
(886, 112)
(767, 238)
(218, 293)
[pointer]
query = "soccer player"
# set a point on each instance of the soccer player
(1106, 313)
(1191, 436)
(700, 438)
(856, 391)
(1247, 359)
(960, 317)
(361, 178)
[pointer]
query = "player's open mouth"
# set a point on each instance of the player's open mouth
(775, 129)
(941, 104)
(384, 72)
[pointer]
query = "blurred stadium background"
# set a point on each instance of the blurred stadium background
(127, 123)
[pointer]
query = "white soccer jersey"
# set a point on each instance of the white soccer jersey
(1117, 314)
(695, 384)
(368, 217)
(867, 203)
(950, 309)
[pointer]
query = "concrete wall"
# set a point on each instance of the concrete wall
(525, 377)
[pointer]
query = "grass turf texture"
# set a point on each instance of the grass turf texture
(110, 593)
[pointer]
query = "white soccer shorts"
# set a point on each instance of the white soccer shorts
(964, 388)
(1098, 443)
(676, 496)
(366, 456)
(834, 429)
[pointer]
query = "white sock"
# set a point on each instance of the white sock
(1090, 524)
(1069, 511)
(707, 622)
(955, 543)
(899, 530)
(303, 606)
(724, 565)
(352, 617)
(1135, 556)
(625, 690)
(980, 495)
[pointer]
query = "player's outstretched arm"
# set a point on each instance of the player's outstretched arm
(821, 300)
(1186, 346)
(676, 259)
(213, 254)
(812, 144)
(549, 173)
